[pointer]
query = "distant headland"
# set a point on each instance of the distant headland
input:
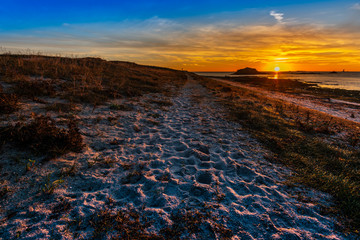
(247, 71)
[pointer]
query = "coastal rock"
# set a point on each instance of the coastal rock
(246, 71)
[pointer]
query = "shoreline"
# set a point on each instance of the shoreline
(335, 107)
(293, 77)
(295, 86)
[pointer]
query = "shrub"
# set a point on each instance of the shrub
(165, 103)
(8, 103)
(121, 107)
(34, 88)
(42, 136)
(124, 224)
(60, 107)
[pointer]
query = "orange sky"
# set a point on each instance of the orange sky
(292, 47)
(320, 37)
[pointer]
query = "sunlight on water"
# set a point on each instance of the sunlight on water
(343, 80)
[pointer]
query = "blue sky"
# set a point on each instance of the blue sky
(195, 35)
(21, 14)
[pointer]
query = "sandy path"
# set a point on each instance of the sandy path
(337, 108)
(204, 158)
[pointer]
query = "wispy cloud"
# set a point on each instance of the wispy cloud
(278, 16)
(356, 6)
(215, 45)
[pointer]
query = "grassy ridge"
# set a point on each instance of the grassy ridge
(59, 83)
(323, 151)
(91, 80)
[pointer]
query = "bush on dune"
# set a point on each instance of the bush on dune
(43, 137)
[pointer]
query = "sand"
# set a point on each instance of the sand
(190, 155)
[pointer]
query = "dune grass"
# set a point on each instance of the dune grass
(307, 141)
(42, 137)
(83, 80)
(131, 223)
(296, 86)
(9, 103)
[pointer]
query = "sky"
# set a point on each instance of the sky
(191, 35)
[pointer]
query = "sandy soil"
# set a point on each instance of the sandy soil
(189, 155)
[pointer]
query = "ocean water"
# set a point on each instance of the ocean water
(342, 80)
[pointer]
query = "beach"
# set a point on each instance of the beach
(157, 120)
(165, 166)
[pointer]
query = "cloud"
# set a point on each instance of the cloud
(278, 16)
(356, 6)
(215, 45)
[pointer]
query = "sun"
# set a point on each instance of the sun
(277, 69)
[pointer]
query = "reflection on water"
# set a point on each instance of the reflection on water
(276, 76)
(344, 80)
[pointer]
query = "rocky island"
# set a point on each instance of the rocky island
(247, 71)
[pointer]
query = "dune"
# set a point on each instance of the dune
(157, 166)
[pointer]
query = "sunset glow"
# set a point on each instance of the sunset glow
(195, 36)
(277, 69)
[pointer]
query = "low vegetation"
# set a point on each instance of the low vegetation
(43, 137)
(131, 223)
(8, 103)
(307, 141)
(60, 107)
(121, 107)
(187, 223)
(295, 86)
(161, 102)
(51, 185)
(123, 224)
(31, 88)
(83, 80)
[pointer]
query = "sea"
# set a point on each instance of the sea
(342, 80)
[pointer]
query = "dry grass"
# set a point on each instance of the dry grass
(61, 207)
(304, 140)
(90, 80)
(187, 223)
(131, 223)
(43, 137)
(121, 224)
(295, 86)
(34, 88)
(121, 107)
(161, 102)
(60, 107)
(8, 103)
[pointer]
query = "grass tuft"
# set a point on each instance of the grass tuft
(187, 223)
(121, 107)
(43, 137)
(60, 107)
(8, 103)
(123, 224)
(33, 88)
(163, 103)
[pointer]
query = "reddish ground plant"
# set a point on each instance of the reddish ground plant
(43, 137)
(8, 103)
